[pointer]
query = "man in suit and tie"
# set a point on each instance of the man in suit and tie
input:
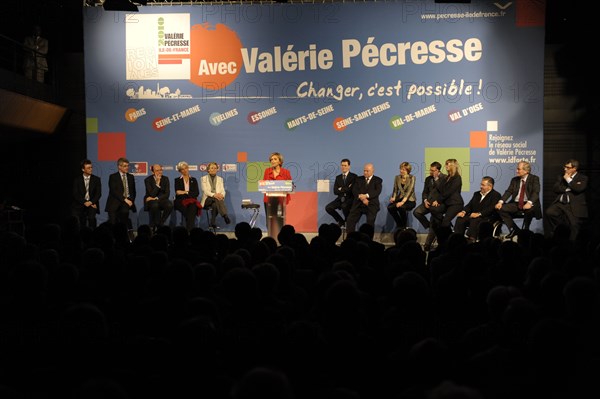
(121, 194)
(87, 191)
(570, 204)
(522, 197)
(431, 194)
(365, 192)
(342, 188)
(156, 199)
(479, 209)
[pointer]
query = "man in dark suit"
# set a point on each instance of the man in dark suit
(156, 200)
(87, 190)
(121, 194)
(479, 209)
(570, 204)
(365, 193)
(431, 193)
(522, 197)
(343, 189)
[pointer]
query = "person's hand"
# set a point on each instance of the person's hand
(435, 204)
(527, 205)
(461, 214)
(87, 204)
(128, 202)
(94, 206)
(475, 215)
(427, 204)
(365, 201)
(498, 206)
(399, 204)
(392, 199)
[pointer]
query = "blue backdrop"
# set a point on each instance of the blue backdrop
(382, 82)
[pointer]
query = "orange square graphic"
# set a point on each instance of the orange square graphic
(111, 146)
(242, 156)
(301, 212)
(478, 139)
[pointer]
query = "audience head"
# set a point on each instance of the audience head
(263, 383)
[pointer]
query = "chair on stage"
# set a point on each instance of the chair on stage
(255, 208)
(519, 215)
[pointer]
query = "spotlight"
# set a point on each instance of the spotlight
(119, 5)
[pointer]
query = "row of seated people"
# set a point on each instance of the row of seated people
(520, 200)
(442, 199)
(157, 198)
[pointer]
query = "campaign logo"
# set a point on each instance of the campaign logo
(167, 47)
(157, 47)
(138, 168)
(229, 167)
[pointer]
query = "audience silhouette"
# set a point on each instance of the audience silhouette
(176, 313)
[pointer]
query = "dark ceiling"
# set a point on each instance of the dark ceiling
(61, 20)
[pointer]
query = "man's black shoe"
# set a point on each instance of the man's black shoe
(227, 220)
(513, 232)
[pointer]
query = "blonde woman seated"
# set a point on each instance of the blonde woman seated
(186, 195)
(213, 194)
(403, 198)
(450, 201)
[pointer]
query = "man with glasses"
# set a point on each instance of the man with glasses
(570, 205)
(366, 191)
(521, 199)
(156, 200)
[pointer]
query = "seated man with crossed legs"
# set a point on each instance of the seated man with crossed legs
(522, 197)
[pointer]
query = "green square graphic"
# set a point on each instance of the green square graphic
(461, 154)
(91, 125)
(255, 171)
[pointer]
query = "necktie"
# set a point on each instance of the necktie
(344, 179)
(368, 180)
(86, 181)
(522, 195)
(125, 191)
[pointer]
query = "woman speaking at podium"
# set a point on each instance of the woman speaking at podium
(275, 206)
